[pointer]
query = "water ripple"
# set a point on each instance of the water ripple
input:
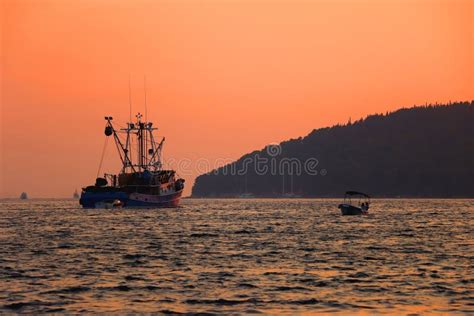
(211, 257)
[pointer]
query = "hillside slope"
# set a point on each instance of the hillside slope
(417, 152)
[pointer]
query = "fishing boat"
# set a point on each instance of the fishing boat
(142, 181)
(355, 203)
(23, 196)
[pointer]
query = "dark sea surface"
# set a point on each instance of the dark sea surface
(238, 257)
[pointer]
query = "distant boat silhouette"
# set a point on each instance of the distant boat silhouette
(75, 195)
(246, 195)
(291, 194)
(23, 196)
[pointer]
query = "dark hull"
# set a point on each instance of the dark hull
(95, 199)
(347, 209)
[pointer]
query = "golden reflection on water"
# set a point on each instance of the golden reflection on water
(292, 257)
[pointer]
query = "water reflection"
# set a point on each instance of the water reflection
(238, 256)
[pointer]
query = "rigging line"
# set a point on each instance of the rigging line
(102, 157)
(120, 146)
(121, 128)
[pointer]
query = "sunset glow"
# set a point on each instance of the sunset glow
(223, 77)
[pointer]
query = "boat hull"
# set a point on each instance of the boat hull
(133, 200)
(347, 209)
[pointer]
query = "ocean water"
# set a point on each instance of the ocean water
(238, 257)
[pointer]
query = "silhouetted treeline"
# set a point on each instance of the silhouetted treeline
(423, 151)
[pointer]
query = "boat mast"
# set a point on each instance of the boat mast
(128, 146)
(140, 142)
(148, 151)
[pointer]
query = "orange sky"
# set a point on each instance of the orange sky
(224, 77)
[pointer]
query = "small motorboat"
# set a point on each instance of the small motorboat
(355, 203)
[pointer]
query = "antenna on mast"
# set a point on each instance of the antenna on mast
(146, 122)
(130, 98)
(146, 110)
